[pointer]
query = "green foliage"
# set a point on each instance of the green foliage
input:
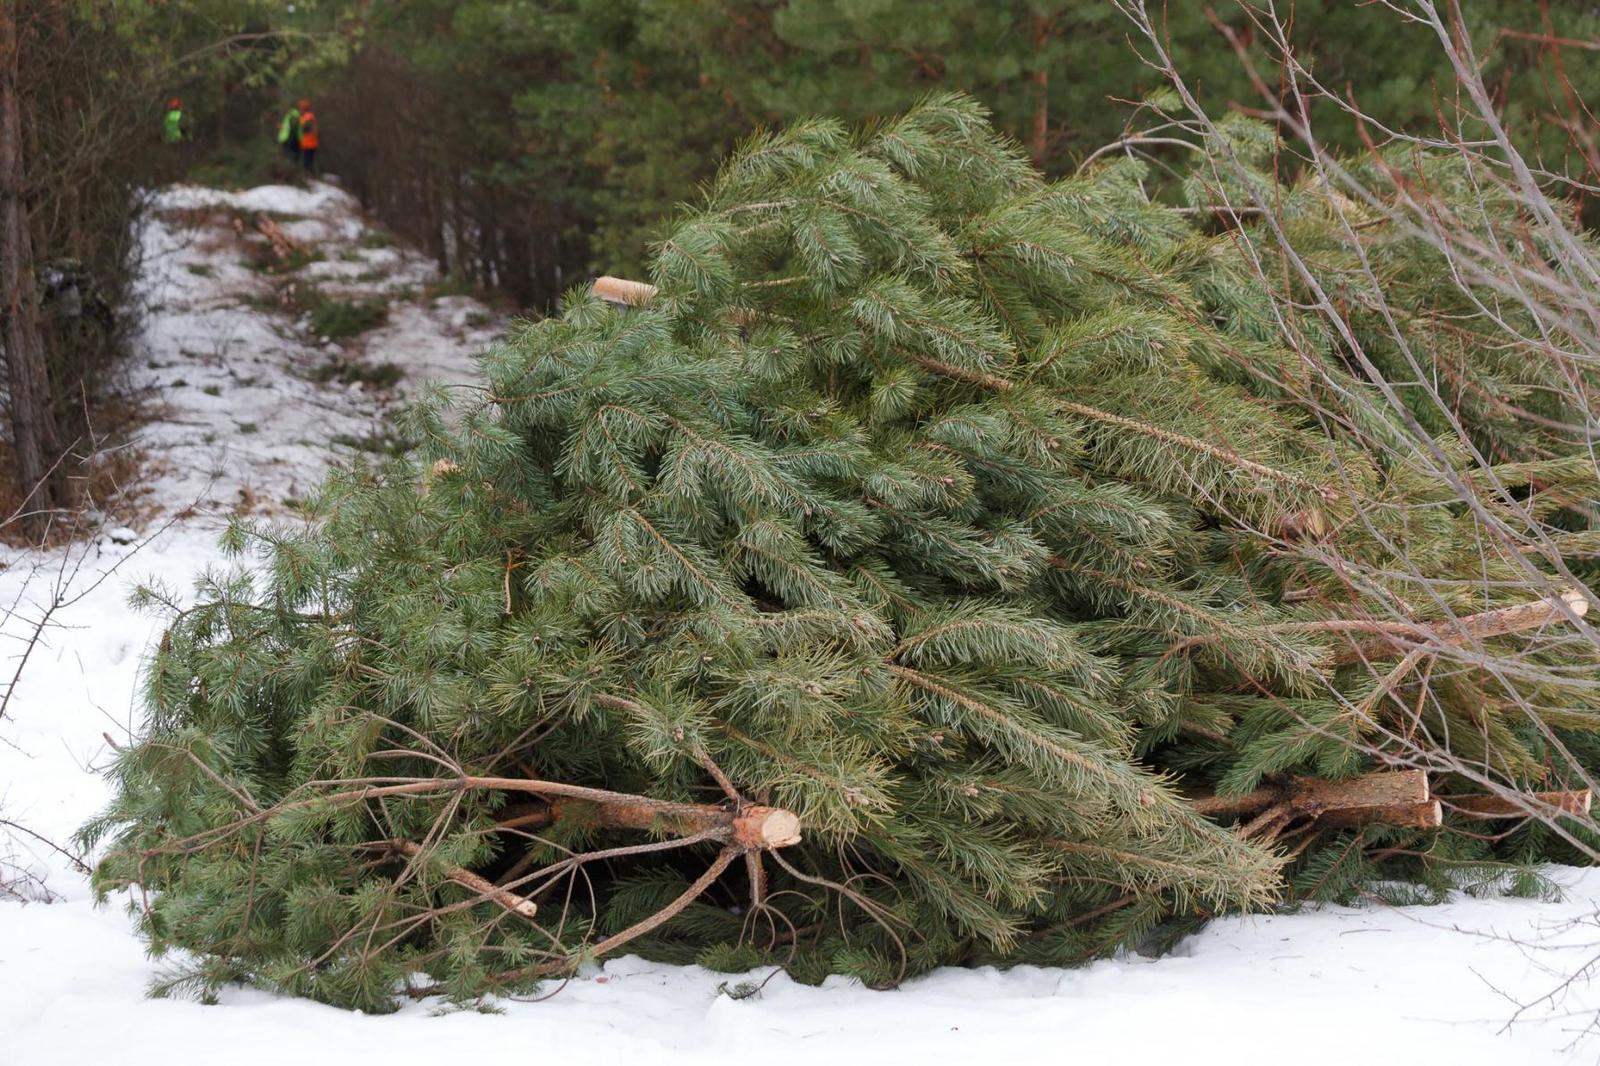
(921, 501)
(337, 319)
(244, 165)
(586, 122)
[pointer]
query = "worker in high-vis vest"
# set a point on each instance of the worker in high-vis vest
(308, 137)
(173, 128)
(289, 134)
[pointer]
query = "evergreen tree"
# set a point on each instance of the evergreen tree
(925, 500)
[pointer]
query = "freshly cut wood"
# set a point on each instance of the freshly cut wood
(1388, 788)
(467, 879)
(1310, 796)
(624, 292)
(765, 827)
(1576, 801)
(283, 245)
(1427, 815)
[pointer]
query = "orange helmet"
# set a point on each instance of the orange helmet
(304, 105)
(175, 102)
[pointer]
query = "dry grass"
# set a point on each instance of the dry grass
(107, 483)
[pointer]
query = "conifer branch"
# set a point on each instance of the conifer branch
(467, 879)
(648, 925)
(1194, 444)
(1566, 606)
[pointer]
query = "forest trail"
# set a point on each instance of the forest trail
(255, 373)
(258, 368)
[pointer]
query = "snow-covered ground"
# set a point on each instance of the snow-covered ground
(1374, 984)
(251, 404)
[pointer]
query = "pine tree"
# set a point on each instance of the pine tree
(1478, 489)
(924, 505)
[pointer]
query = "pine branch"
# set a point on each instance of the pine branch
(1398, 636)
(467, 879)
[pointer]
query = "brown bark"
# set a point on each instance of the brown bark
(1516, 619)
(33, 421)
(1040, 79)
(1389, 637)
(1383, 789)
(283, 245)
(723, 860)
(1426, 815)
(1308, 796)
(753, 828)
(1534, 805)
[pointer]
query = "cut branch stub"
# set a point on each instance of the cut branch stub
(623, 292)
(467, 879)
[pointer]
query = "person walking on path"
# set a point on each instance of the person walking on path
(289, 134)
(309, 141)
(174, 128)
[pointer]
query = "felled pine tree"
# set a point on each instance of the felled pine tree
(822, 610)
(1437, 571)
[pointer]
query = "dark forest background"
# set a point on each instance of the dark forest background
(528, 145)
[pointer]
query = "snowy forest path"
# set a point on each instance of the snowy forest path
(258, 365)
(244, 406)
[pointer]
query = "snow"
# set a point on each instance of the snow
(245, 423)
(317, 198)
(1334, 985)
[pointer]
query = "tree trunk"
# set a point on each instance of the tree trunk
(32, 415)
(1425, 815)
(1388, 797)
(752, 828)
(222, 110)
(1533, 805)
(1041, 90)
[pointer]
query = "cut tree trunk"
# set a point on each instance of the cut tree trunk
(1311, 797)
(753, 828)
(1389, 639)
(1533, 805)
(1427, 815)
(283, 245)
(33, 422)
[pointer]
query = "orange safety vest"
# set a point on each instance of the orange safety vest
(308, 130)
